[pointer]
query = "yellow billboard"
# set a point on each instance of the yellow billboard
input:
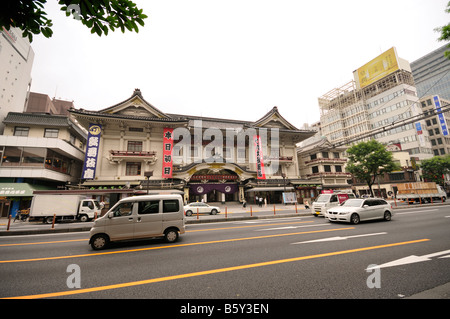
(384, 64)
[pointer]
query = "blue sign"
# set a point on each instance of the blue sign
(441, 117)
(90, 159)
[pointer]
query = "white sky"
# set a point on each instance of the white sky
(232, 59)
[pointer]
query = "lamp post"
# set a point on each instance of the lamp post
(148, 174)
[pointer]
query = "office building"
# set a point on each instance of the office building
(381, 102)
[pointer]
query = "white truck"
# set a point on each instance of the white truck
(420, 192)
(328, 199)
(65, 207)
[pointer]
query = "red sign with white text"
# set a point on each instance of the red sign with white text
(167, 165)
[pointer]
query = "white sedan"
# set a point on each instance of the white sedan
(202, 208)
(359, 209)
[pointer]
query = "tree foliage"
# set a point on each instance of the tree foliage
(99, 16)
(369, 159)
(445, 32)
(434, 168)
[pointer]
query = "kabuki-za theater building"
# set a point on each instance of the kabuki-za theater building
(134, 145)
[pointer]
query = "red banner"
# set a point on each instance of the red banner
(167, 166)
(260, 173)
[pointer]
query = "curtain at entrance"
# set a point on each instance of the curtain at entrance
(200, 189)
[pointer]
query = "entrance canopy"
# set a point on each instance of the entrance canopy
(200, 189)
(270, 189)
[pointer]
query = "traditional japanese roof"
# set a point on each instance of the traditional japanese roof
(43, 119)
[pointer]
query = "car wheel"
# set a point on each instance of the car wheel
(387, 216)
(99, 242)
(354, 219)
(84, 218)
(214, 211)
(189, 213)
(171, 235)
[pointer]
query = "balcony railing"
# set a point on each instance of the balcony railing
(329, 174)
(331, 160)
(118, 156)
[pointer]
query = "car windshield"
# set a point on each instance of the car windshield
(323, 198)
(352, 202)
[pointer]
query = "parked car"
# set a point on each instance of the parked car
(202, 208)
(360, 209)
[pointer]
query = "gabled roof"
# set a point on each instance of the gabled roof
(273, 119)
(135, 105)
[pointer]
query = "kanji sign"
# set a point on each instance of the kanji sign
(90, 159)
(167, 153)
(260, 173)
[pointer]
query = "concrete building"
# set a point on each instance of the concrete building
(381, 95)
(38, 151)
(212, 159)
(16, 61)
(437, 126)
(432, 74)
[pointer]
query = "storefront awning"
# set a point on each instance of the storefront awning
(270, 189)
(19, 189)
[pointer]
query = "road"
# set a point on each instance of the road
(283, 258)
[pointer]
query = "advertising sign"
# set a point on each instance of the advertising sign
(260, 173)
(384, 64)
(167, 165)
(90, 159)
(442, 121)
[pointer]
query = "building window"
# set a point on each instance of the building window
(134, 146)
(313, 156)
(325, 155)
(73, 139)
(133, 169)
(135, 129)
(336, 154)
(315, 169)
(51, 132)
(327, 168)
(21, 131)
(338, 169)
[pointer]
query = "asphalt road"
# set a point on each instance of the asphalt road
(299, 257)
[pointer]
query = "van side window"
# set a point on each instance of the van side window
(333, 199)
(123, 209)
(171, 206)
(148, 207)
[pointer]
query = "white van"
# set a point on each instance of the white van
(327, 200)
(140, 217)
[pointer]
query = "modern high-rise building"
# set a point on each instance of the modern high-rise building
(432, 74)
(16, 61)
(381, 102)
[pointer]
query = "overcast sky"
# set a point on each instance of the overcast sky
(232, 59)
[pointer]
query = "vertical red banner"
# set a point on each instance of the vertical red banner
(260, 173)
(167, 153)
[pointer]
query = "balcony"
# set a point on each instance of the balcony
(286, 160)
(329, 174)
(147, 156)
(326, 160)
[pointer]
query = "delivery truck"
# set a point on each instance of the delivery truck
(63, 207)
(420, 192)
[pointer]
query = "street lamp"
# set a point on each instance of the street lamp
(148, 174)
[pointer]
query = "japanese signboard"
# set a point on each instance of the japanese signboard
(167, 165)
(260, 173)
(442, 121)
(90, 159)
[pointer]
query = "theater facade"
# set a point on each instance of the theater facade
(133, 145)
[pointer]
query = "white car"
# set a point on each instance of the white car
(360, 209)
(202, 208)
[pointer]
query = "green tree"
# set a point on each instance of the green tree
(434, 168)
(99, 16)
(445, 32)
(369, 159)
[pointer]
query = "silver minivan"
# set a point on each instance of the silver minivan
(140, 217)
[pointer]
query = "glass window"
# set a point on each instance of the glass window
(134, 146)
(51, 132)
(33, 156)
(123, 209)
(11, 156)
(148, 207)
(21, 131)
(171, 206)
(133, 168)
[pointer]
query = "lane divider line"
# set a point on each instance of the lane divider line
(210, 272)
